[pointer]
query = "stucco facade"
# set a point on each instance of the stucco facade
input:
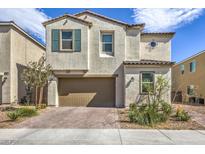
(16, 49)
(181, 81)
(128, 44)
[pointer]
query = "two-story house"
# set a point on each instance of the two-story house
(17, 48)
(188, 84)
(99, 61)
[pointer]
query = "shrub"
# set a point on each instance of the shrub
(26, 112)
(182, 115)
(133, 106)
(42, 106)
(13, 115)
(149, 114)
(166, 108)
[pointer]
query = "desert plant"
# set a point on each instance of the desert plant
(149, 114)
(42, 106)
(13, 115)
(166, 108)
(155, 110)
(182, 115)
(36, 76)
(26, 112)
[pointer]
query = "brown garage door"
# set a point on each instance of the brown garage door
(93, 92)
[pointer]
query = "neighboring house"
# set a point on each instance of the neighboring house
(17, 48)
(188, 79)
(99, 61)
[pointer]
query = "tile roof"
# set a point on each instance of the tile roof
(159, 33)
(148, 62)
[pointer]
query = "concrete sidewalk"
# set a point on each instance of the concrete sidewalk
(101, 136)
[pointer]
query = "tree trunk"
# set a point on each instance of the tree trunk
(41, 96)
(36, 99)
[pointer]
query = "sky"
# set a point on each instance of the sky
(189, 24)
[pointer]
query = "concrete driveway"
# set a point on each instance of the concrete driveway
(73, 117)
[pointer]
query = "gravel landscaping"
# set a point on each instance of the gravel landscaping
(171, 123)
(5, 122)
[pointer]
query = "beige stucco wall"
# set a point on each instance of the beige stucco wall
(63, 60)
(16, 50)
(181, 81)
(161, 52)
(132, 82)
(127, 46)
(23, 50)
(5, 63)
(132, 44)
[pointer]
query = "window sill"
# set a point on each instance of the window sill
(107, 55)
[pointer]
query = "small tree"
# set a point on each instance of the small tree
(36, 76)
(156, 92)
(156, 109)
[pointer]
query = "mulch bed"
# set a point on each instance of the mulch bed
(171, 123)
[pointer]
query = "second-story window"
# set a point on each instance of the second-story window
(107, 42)
(192, 66)
(181, 67)
(66, 40)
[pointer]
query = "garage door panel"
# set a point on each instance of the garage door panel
(98, 92)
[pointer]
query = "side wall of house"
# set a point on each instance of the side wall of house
(181, 81)
(5, 64)
(23, 50)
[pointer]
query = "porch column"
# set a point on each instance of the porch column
(53, 92)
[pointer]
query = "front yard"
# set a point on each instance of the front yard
(103, 118)
(171, 123)
(25, 111)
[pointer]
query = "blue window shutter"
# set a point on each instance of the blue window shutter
(55, 39)
(77, 40)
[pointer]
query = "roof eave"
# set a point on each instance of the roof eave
(138, 26)
(12, 23)
(168, 34)
(63, 17)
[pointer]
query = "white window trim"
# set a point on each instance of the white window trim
(153, 73)
(102, 43)
(66, 30)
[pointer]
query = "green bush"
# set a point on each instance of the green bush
(42, 106)
(26, 112)
(13, 115)
(149, 114)
(182, 115)
(133, 106)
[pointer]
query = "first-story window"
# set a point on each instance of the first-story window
(147, 82)
(107, 42)
(66, 40)
(190, 90)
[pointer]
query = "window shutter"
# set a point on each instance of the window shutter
(77, 40)
(55, 39)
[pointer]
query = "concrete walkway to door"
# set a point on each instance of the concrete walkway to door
(73, 117)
